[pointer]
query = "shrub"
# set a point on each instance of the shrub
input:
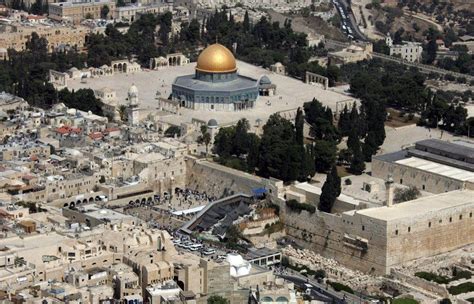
(298, 207)
(348, 182)
(320, 274)
(340, 287)
(461, 288)
(404, 301)
(429, 276)
(461, 274)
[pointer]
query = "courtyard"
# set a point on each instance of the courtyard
(291, 93)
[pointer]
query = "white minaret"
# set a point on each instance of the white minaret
(132, 109)
(389, 189)
(388, 40)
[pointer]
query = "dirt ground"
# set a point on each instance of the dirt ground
(310, 25)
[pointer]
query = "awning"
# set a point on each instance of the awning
(259, 191)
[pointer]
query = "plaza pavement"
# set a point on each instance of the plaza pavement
(291, 93)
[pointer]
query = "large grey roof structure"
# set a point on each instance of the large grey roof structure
(440, 147)
(235, 85)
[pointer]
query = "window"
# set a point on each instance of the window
(423, 187)
(396, 232)
(409, 229)
(429, 224)
(401, 181)
(363, 228)
(460, 217)
(450, 219)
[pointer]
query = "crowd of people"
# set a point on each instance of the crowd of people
(192, 198)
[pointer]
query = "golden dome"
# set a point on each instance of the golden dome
(216, 58)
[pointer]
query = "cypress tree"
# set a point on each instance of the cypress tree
(330, 191)
(344, 123)
(246, 23)
(357, 164)
(299, 125)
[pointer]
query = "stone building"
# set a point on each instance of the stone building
(130, 13)
(409, 51)
(16, 36)
(75, 12)
(216, 85)
(431, 165)
(278, 68)
(353, 53)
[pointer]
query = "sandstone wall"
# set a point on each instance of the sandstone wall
(409, 176)
(331, 236)
(432, 287)
(430, 234)
(218, 180)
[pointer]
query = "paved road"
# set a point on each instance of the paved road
(348, 20)
(319, 290)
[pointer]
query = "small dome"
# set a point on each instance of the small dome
(265, 80)
(133, 90)
(212, 123)
(216, 58)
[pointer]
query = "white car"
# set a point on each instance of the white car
(208, 251)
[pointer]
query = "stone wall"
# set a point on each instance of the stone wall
(331, 236)
(375, 246)
(432, 287)
(430, 234)
(219, 181)
(408, 176)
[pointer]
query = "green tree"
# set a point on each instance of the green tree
(223, 142)
(204, 138)
(324, 155)
(104, 12)
(253, 152)
(330, 191)
(431, 50)
(217, 300)
(173, 131)
(246, 24)
(280, 156)
(344, 122)
(407, 194)
(240, 140)
(357, 164)
(299, 126)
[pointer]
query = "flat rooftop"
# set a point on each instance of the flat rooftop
(436, 168)
(425, 206)
(33, 241)
(464, 150)
(255, 253)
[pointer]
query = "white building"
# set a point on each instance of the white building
(409, 51)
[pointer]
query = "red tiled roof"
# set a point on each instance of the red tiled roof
(68, 130)
(112, 129)
(96, 135)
